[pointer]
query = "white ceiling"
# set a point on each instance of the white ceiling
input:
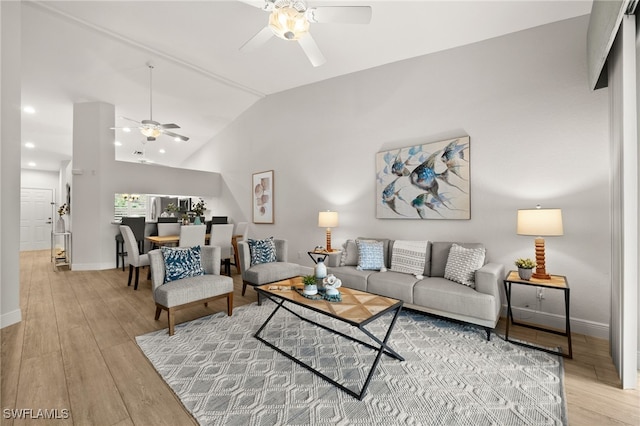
(83, 51)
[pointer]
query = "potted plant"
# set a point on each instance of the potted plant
(199, 208)
(172, 209)
(310, 287)
(525, 267)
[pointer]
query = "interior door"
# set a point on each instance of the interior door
(35, 218)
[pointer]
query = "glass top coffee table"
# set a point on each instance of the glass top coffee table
(357, 309)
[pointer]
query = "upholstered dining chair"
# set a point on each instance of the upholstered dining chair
(165, 229)
(241, 233)
(192, 235)
(137, 225)
(134, 258)
(221, 237)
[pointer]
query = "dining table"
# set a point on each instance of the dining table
(169, 240)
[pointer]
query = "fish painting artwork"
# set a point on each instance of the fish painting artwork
(426, 181)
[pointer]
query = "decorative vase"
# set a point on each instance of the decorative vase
(60, 225)
(197, 221)
(320, 271)
(525, 273)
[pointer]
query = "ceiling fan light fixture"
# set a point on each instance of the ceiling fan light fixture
(150, 132)
(288, 23)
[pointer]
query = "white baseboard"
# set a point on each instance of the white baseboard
(92, 266)
(10, 318)
(582, 326)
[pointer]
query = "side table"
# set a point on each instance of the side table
(322, 253)
(557, 282)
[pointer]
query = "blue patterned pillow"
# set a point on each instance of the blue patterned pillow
(262, 251)
(181, 263)
(370, 255)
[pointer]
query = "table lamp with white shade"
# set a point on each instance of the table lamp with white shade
(540, 223)
(328, 219)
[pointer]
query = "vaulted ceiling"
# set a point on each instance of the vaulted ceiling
(81, 51)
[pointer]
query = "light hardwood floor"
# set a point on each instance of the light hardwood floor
(75, 350)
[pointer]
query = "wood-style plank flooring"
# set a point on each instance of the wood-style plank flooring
(75, 350)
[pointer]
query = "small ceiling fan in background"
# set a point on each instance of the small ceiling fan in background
(290, 20)
(152, 129)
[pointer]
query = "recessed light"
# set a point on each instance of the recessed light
(162, 151)
(29, 109)
(29, 145)
(177, 139)
(126, 129)
(32, 164)
(117, 143)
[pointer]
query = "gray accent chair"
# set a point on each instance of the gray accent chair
(265, 273)
(191, 291)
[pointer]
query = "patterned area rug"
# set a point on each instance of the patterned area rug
(451, 376)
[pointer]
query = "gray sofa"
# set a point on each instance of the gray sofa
(432, 294)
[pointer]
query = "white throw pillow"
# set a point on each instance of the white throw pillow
(463, 263)
(409, 257)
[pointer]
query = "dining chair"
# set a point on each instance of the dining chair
(192, 235)
(221, 237)
(137, 225)
(240, 234)
(165, 229)
(134, 258)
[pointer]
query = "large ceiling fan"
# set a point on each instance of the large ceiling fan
(152, 129)
(290, 19)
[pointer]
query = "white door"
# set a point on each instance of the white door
(35, 218)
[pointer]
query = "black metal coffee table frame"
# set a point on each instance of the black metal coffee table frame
(383, 348)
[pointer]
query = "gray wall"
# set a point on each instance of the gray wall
(538, 135)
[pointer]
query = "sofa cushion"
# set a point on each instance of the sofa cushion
(349, 255)
(463, 263)
(440, 254)
(370, 255)
(392, 284)
(448, 296)
(187, 290)
(351, 277)
(409, 257)
(265, 273)
(181, 262)
(262, 251)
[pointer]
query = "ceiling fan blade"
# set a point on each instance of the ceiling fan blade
(131, 119)
(339, 14)
(169, 126)
(312, 50)
(175, 135)
(257, 40)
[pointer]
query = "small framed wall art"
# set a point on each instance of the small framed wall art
(262, 187)
(426, 181)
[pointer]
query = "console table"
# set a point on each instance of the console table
(64, 258)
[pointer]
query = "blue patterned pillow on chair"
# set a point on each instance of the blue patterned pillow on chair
(262, 251)
(181, 263)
